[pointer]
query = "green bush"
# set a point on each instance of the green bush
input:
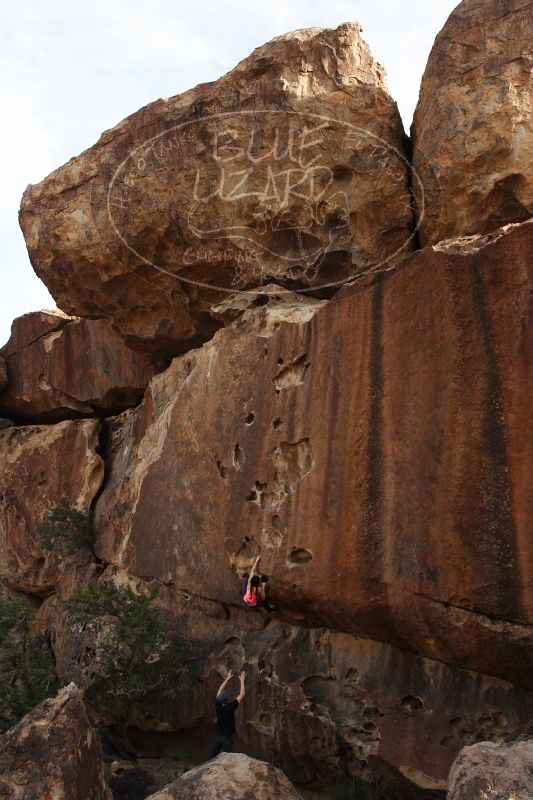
(133, 656)
(66, 530)
(27, 673)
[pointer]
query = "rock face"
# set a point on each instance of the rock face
(319, 703)
(53, 752)
(290, 169)
(232, 776)
(488, 771)
(60, 367)
(473, 127)
(40, 466)
(390, 420)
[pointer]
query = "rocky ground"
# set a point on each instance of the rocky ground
(355, 412)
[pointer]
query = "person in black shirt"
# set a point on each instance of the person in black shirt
(225, 711)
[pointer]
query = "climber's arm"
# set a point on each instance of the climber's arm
(242, 692)
(253, 572)
(225, 682)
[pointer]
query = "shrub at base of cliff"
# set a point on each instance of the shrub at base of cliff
(131, 656)
(27, 673)
(66, 530)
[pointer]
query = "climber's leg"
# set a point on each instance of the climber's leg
(221, 744)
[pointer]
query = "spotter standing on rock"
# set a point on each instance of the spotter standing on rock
(225, 711)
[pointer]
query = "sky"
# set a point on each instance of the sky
(70, 70)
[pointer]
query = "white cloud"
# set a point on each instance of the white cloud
(71, 70)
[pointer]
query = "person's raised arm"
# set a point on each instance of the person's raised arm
(252, 572)
(242, 692)
(225, 682)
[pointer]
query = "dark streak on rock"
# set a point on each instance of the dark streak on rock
(374, 487)
(496, 529)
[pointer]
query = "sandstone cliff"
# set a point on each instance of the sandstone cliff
(370, 440)
(389, 508)
(372, 449)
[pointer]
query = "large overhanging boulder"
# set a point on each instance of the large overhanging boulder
(290, 169)
(372, 448)
(60, 367)
(473, 128)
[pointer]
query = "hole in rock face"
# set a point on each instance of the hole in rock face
(342, 173)
(296, 245)
(371, 711)
(299, 555)
(505, 201)
(221, 468)
(238, 456)
(232, 639)
(250, 419)
(280, 361)
(410, 703)
(277, 424)
(293, 374)
(261, 300)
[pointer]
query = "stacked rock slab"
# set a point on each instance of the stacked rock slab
(53, 753)
(473, 126)
(372, 449)
(290, 168)
(60, 367)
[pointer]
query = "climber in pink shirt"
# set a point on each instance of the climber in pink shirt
(254, 595)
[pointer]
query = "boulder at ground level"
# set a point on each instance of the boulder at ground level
(472, 127)
(53, 753)
(232, 776)
(61, 367)
(490, 771)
